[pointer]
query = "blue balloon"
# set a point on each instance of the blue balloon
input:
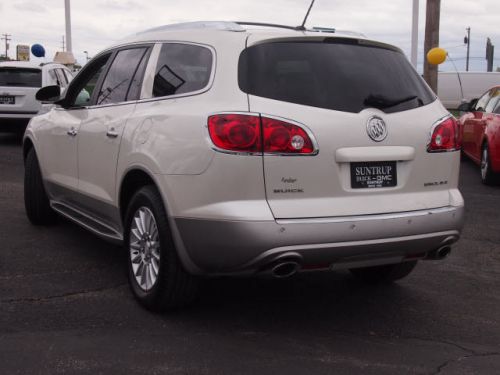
(38, 50)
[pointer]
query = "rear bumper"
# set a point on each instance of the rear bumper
(246, 247)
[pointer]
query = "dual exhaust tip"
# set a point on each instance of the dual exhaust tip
(287, 268)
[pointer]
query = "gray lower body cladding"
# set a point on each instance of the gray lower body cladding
(240, 247)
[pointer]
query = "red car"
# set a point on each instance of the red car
(480, 131)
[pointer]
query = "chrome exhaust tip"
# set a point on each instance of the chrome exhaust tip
(285, 269)
(440, 253)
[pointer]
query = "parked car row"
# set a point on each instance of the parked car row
(19, 81)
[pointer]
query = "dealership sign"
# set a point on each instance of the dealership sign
(23, 52)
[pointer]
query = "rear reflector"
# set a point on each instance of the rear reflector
(445, 136)
(241, 133)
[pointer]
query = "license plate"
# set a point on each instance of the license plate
(371, 175)
(7, 99)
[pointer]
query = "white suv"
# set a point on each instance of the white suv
(217, 149)
(19, 82)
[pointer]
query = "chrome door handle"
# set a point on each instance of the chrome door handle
(72, 132)
(112, 133)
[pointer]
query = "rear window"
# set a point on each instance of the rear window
(337, 74)
(20, 77)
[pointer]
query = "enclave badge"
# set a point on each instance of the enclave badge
(376, 129)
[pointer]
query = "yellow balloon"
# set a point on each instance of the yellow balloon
(436, 56)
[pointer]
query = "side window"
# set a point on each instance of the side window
(120, 76)
(68, 74)
(82, 87)
(61, 77)
(493, 103)
(182, 68)
(53, 78)
(483, 102)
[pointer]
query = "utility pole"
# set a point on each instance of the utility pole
(490, 54)
(431, 41)
(414, 34)
(7, 39)
(467, 41)
(63, 44)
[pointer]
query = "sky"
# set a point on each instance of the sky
(98, 23)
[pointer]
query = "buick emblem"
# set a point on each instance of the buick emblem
(376, 129)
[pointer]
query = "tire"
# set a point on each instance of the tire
(384, 274)
(36, 202)
(156, 275)
(488, 177)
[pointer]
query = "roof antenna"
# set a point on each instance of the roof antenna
(302, 27)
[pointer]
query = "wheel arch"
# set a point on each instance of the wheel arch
(28, 145)
(134, 179)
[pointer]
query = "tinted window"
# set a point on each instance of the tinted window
(340, 75)
(20, 77)
(53, 78)
(492, 104)
(115, 87)
(61, 77)
(182, 68)
(134, 92)
(483, 102)
(82, 87)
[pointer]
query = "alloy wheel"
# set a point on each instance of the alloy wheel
(144, 246)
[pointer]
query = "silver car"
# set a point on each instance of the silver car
(217, 148)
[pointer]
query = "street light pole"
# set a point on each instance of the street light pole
(67, 11)
(414, 34)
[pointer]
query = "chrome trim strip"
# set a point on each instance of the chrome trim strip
(391, 216)
(60, 207)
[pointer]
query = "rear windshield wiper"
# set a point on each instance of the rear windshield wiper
(381, 102)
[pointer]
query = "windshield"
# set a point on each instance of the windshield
(338, 74)
(20, 77)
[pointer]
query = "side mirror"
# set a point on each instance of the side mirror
(464, 107)
(467, 106)
(48, 94)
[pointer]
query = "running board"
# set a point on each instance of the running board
(88, 222)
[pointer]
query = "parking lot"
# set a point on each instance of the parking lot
(65, 307)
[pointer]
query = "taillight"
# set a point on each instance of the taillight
(285, 138)
(241, 133)
(235, 132)
(445, 136)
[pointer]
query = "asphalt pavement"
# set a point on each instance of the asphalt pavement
(65, 307)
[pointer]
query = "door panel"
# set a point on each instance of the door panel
(58, 151)
(98, 147)
(101, 133)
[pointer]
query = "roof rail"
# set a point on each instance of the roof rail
(215, 25)
(296, 28)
